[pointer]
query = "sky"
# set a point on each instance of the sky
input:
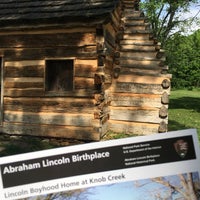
(143, 190)
(193, 11)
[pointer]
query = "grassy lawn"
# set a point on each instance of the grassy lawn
(184, 110)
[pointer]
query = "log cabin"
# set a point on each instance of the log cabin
(78, 68)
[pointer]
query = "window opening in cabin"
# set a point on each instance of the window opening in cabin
(59, 75)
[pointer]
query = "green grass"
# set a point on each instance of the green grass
(184, 110)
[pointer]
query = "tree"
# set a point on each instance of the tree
(165, 16)
(79, 194)
(181, 186)
(185, 189)
(183, 59)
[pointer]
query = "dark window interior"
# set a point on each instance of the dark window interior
(59, 75)
(0, 72)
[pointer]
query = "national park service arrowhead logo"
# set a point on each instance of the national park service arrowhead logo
(181, 147)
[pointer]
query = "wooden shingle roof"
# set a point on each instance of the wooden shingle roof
(17, 12)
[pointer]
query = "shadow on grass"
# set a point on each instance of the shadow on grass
(11, 145)
(17, 145)
(190, 103)
(174, 126)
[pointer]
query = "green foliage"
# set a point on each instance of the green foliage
(183, 58)
(183, 52)
(165, 16)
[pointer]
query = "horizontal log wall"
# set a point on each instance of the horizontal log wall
(48, 118)
(136, 128)
(28, 108)
(131, 114)
(140, 84)
(83, 133)
(47, 105)
(136, 100)
(40, 46)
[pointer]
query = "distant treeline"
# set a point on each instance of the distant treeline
(183, 59)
